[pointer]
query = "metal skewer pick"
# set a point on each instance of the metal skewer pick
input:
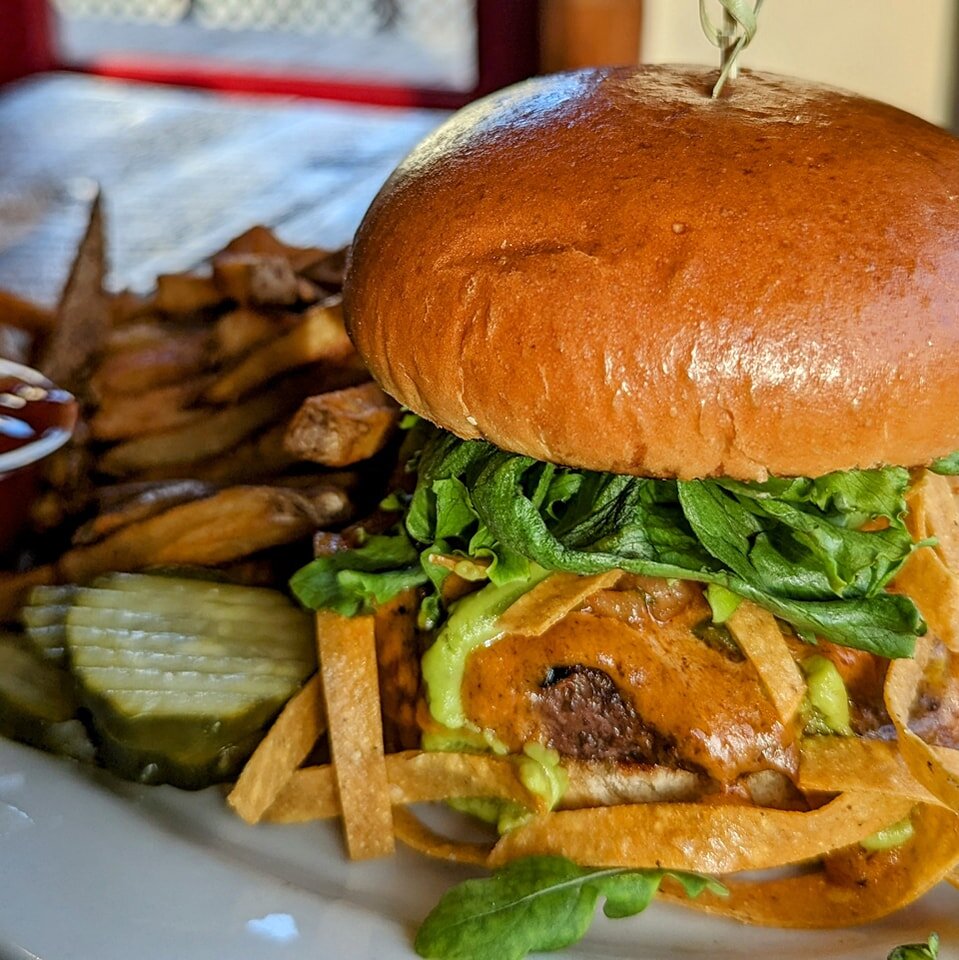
(738, 29)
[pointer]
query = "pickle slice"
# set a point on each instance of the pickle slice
(181, 676)
(44, 620)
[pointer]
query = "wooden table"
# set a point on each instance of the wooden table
(182, 172)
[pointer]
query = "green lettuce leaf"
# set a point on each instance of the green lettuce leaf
(917, 951)
(946, 465)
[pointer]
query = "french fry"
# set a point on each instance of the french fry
(319, 335)
(16, 312)
(185, 293)
(149, 330)
(239, 330)
(233, 523)
(398, 662)
(181, 355)
(347, 656)
(124, 416)
(343, 427)
(262, 241)
(14, 588)
(761, 640)
(256, 278)
(287, 744)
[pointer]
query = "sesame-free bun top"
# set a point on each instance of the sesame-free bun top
(610, 270)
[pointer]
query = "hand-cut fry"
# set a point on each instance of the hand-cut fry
(837, 764)
(925, 763)
(814, 901)
(593, 783)
(319, 335)
(411, 831)
(125, 415)
(709, 838)
(127, 307)
(347, 656)
(150, 330)
(344, 426)
(255, 278)
(185, 293)
(183, 354)
(83, 314)
(233, 523)
(142, 500)
(761, 640)
(550, 600)
(14, 588)
(398, 662)
(216, 433)
(239, 330)
(287, 744)
(262, 240)
(15, 312)
(931, 574)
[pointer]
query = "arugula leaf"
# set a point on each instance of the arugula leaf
(537, 903)
(917, 951)
(946, 465)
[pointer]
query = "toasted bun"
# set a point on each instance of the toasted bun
(610, 270)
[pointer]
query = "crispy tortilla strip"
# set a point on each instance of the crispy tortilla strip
(216, 433)
(241, 330)
(411, 831)
(255, 278)
(707, 838)
(234, 523)
(550, 600)
(343, 427)
(15, 312)
(931, 574)
(953, 878)
(764, 645)
(837, 764)
(814, 901)
(83, 314)
(125, 415)
(940, 776)
(14, 588)
(185, 293)
(319, 335)
(347, 656)
(293, 735)
(182, 355)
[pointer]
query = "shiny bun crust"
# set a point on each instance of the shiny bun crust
(609, 270)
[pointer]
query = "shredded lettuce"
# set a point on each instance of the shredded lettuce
(796, 546)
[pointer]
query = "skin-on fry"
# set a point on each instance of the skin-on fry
(550, 600)
(837, 764)
(182, 355)
(347, 657)
(185, 293)
(15, 312)
(761, 640)
(292, 736)
(14, 588)
(255, 278)
(122, 416)
(319, 335)
(234, 523)
(261, 240)
(814, 901)
(708, 838)
(343, 427)
(241, 329)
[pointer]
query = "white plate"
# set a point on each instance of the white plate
(95, 869)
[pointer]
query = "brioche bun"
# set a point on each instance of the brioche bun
(610, 270)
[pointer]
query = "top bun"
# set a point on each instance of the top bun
(609, 270)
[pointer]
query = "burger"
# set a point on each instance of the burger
(674, 527)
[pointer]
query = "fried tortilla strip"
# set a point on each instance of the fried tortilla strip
(256, 278)
(836, 764)
(319, 335)
(142, 500)
(183, 354)
(15, 312)
(343, 427)
(931, 574)
(550, 600)
(287, 744)
(123, 416)
(347, 656)
(940, 776)
(707, 838)
(764, 645)
(814, 901)
(412, 832)
(14, 588)
(83, 314)
(185, 293)
(214, 434)
(234, 523)
(953, 878)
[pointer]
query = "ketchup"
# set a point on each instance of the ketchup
(29, 412)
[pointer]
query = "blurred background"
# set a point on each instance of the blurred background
(200, 117)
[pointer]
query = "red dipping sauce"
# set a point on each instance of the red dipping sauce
(36, 418)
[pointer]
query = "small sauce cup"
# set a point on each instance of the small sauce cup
(36, 419)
